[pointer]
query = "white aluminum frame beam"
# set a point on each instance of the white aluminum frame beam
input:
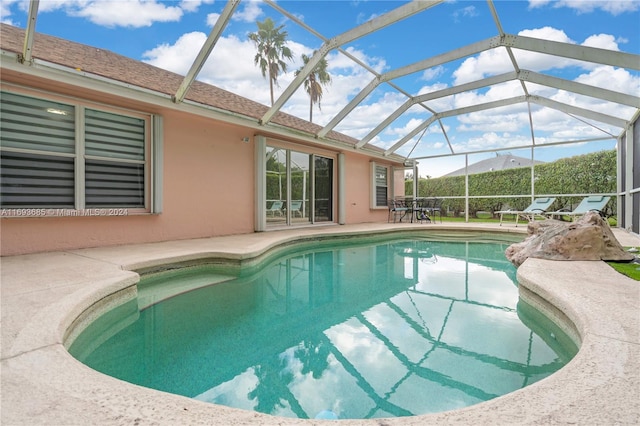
(27, 48)
(454, 112)
(573, 51)
(582, 112)
(512, 57)
(206, 49)
(508, 41)
(523, 75)
(569, 109)
(411, 135)
(368, 27)
(339, 49)
(444, 58)
(481, 151)
(436, 95)
(579, 88)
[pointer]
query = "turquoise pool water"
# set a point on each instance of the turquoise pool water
(355, 330)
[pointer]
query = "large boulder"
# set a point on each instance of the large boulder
(589, 238)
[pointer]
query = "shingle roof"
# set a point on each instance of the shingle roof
(113, 66)
(499, 162)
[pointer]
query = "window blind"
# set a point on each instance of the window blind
(117, 178)
(36, 124)
(30, 180)
(38, 143)
(381, 185)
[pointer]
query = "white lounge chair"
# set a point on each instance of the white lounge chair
(296, 207)
(538, 208)
(593, 203)
(276, 208)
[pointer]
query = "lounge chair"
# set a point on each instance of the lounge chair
(593, 203)
(538, 208)
(276, 207)
(295, 208)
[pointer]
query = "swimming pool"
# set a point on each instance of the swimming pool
(358, 330)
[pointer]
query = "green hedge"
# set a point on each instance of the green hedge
(588, 173)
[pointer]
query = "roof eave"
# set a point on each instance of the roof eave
(77, 78)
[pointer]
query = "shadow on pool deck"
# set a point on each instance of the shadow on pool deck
(43, 294)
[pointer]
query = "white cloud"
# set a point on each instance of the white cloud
(5, 10)
(402, 131)
(361, 18)
(193, 5)
(130, 13)
(366, 116)
(513, 118)
(432, 73)
(343, 62)
(533, 4)
(491, 140)
(249, 13)
(497, 92)
(212, 18)
(177, 57)
(230, 65)
(496, 61)
(115, 13)
(614, 7)
(490, 62)
(602, 41)
(617, 79)
(431, 88)
(547, 33)
(465, 12)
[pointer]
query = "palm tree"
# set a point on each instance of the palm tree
(270, 43)
(317, 78)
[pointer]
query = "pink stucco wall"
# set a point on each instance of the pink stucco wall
(358, 191)
(208, 190)
(208, 178)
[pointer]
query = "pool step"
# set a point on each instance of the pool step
(153, 290)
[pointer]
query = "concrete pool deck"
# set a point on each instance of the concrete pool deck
(42, 295)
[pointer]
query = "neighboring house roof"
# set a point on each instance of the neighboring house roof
(113, 66)
(499, 162)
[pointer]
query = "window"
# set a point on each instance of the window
(380, 186)
(62, 156)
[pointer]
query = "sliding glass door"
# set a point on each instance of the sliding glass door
(299, 187)
(323, 189)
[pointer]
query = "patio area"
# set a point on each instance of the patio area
(44, 294)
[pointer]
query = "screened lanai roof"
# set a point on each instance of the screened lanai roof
(491, 80)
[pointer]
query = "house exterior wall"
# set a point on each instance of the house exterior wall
(358, 187)
(208, 188)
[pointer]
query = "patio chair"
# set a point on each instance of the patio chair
(539, 207)
(436, 208)
(276, 207)
(399, 209)
(593, 203)
(421, 209)
(296, 207)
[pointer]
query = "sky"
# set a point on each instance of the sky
(169, 34)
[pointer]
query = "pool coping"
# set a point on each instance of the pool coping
(43, 294)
